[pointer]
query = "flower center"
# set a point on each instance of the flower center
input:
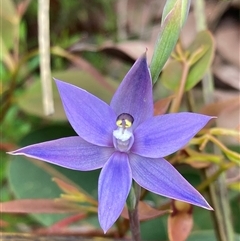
(123, 137)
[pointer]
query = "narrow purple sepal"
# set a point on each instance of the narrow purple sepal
(113, 188)
(160, 177)
(134, 95)
(70, 152)
(163, 135)
(90, 117)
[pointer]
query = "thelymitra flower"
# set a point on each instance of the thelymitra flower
(125, 140)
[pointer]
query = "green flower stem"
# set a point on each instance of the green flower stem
(217, 189)
(132, 205)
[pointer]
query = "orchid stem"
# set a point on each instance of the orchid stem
(177, 101)
(132, 204)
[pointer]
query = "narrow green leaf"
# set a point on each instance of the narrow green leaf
(174, 16)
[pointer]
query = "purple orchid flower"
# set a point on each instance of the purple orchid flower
(125, 140)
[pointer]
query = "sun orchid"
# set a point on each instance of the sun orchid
(125, 140)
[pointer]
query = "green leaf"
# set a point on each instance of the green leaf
(174, 15)
(171, 75)
(31, 100)
(200, 56)
(197, 54)
(33, 179)
(203, 40)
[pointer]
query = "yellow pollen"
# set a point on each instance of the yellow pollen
(124, 123)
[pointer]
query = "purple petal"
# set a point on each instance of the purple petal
(90, 117)
(160, 177)
(162, 135)
(114, 186)
(134, 95)
(70, 152)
